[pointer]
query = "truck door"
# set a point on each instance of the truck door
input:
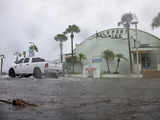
(26, 66)
(18, 66)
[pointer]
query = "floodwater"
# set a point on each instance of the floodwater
(81, 99)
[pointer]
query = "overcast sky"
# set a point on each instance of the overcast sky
(22, 21)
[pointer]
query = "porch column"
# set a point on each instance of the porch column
(158, 62)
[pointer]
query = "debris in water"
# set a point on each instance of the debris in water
(19, 102)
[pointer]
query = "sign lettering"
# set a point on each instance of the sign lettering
(113, 34)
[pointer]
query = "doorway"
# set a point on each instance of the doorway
(148, 61)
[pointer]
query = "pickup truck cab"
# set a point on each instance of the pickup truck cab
(28, 66)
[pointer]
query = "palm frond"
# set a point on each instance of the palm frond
(34, 47)
(156, 21)
(108, 54)
(60, 37)
(72, 29)
(126, 19)
(121, 56)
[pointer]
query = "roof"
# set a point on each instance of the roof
(149, 46)
(139, 31)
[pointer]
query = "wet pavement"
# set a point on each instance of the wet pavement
(81, 99)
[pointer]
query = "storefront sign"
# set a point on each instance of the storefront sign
(113, 34)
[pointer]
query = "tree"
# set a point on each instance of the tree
(32, 49)
(108, 55)
(81, 58)
(126, 21)
(156, 21)
(61, 38)
(2, 57)
(119, 57)
(70, 60)
(71, 30)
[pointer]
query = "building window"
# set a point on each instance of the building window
(120, 35)
(117, 31)
(121, 31)
(126, 31)
(116, 36)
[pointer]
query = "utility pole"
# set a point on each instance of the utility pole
(129, 47)
(2, 57)
(135, 22)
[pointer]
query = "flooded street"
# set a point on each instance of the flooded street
(81, 99)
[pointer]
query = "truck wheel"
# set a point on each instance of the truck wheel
(37, 73)
(12, 73)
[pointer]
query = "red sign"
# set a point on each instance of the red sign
(91, 69)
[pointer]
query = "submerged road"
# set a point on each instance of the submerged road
(81, 99)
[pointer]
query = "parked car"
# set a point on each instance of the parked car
(28, 66)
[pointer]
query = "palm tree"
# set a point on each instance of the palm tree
(32, 49)
(108, 55)
(156, 21)
(2, 57)
(71, 30)
(119, 57)
(61, 38)
(81, 58)
(126, 21)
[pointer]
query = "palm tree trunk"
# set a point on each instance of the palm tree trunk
(81, 64)
(108, 66)
(129, 47)
(118, 61)
(61, 51)
(72, 36)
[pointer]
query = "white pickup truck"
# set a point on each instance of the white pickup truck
(55, 67)
(28, 66)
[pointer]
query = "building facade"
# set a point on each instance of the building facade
(116, 40)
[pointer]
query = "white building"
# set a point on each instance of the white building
(116, 40)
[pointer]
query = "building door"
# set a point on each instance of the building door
(148, 61)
